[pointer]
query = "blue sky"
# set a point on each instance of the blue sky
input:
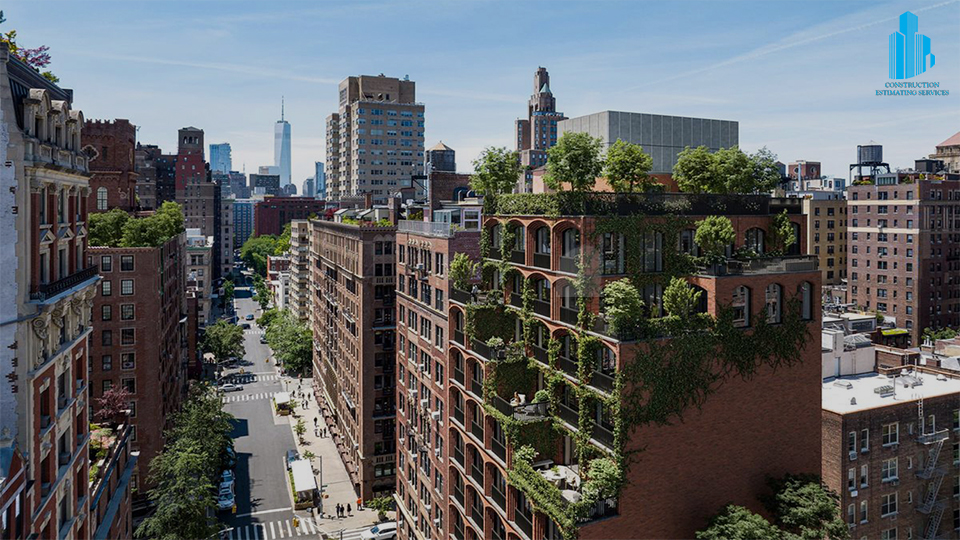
(799, 76)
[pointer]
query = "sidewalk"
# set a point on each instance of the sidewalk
(337, 486)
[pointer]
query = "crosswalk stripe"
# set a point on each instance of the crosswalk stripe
(280, 528)
(289, 532)
(273, 534)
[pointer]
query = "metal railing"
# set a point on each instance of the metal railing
(499, 449)
(541, 260)
(568, 315)
(569, 265)
(603, 435)
(766, 265)
(525, 522)
(48, 290)
(602, 381)
(458, 376)
(460, 296)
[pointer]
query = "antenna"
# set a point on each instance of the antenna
(281, 108)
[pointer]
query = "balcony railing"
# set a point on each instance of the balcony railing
(481, 348)
(602, 381)
(499, 449)
(458, 494)
(477, 474)
(541, 354)
(769, 265)
(525, 523)
(458, 416)
(541, 260)
(541, 308)
(477, 431)
(524, 413)
(477, 515)
(458, 376)
(499, 498)
(458, 337)
(458, 457)
(568, 315)
(518, 257)
(628, 204)
(567, 365)
(569, 415)
(476, 387)
(603, 435)
(460, 296)
(569, 265)
(49, 290)
(516, 300)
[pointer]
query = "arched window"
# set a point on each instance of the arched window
(606, 361)
(652, 244)
(805, 290)
(653, 299)
(101, 198)
(543, 241)
(774, 303)
(568, 297)
(613, 259)
(495, 237)
(755, 239)
(688, 242)
(741, 306)
(570, 246)
(701, 306)
(519, 238)
(542, 290)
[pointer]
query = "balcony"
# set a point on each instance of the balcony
(568, 415)
(603, 435)
(499, 449)
(477, 388)
(458, 457)
(458, 416)
(567, 365)
(458, 338)
(481, 348)
(524, 522)
(541, 260)
(541, 354)
(462, 297)
(477, 431)
(568, 315)
(458, 494)
(48, 290)
(541, 308)
(627, 204)
(459, 377)
(518, 257)
(477, 515)
(602, 381)
(499, 498)
(768, 265)
(477, 474)
(527, 412)
(516, 300)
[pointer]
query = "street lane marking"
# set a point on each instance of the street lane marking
(289, 532)
(273, 533)
(280, 528)
(261, 512)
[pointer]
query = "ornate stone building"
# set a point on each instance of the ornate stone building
(45, 303)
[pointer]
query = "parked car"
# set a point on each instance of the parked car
(245, 326)
(229, 456)
(381, 531)
(292, 456)
(226, 499)
(263, 339)
(230, 387)
(249, 317)
(227, 477)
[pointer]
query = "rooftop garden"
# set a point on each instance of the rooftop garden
(117, 228)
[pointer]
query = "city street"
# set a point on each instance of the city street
(261, 439)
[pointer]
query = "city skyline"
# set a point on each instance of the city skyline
(772, 73)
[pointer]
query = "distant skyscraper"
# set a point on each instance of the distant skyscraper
(538, 131)
(320, 181)
(307, 188)
(220, 160)
(281, 147)
(380, 102)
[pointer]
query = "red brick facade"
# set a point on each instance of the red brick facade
(272, 214)
(111, 145)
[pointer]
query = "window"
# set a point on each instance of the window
(652, 243)
(741, 306)
(570, 245)
(128, 336)
(806, 300)
(865, 440)
(864, 475)
(130, 385)
(543, 241)
(755, 239)
(852, 479)
(852, 441)
(106, 363)
(774, 301)
(128, 361)
(101, 198)
(126, 312)
(106, 338)
(126, 263)
(863, 511)
(106, 313)
(106, 287)
(890, 434)
(126, 287)
(888, 506)
(106, 263)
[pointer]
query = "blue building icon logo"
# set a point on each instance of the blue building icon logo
(909, 51)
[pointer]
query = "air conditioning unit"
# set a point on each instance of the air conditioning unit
(853, 455)
(400, 440)
(435, 415)
(423, 367)
(424, 402)
(853, 493)
(436, 452)
(427, 507)
(436, 522)
(419, 267)
(413, 392)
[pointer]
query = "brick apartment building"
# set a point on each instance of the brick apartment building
(301, 289)
(538, 132)
(227, 230)
(687, 471)
(354, 334)
(111, 145)
(891, 449)
(156, 182)
(198, 194)
(380, 120)
(272, 214)
(201, 270)
(45, 301)
(140, 343)
(904, 258)
(826, 215)
(424, 251)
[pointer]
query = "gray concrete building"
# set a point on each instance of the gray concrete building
(663, 137)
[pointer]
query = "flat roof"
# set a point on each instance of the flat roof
(839, 391)
(303, 478)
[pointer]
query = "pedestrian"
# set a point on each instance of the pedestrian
(359, 504)
(349, 511)
(338, 509)
(316, 420)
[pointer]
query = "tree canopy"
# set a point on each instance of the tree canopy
(291, 341)
(934, 334)
(782, 234)
(118, 229)
(574, 160)
(714, 234)
(223, 340)
(37, 58)
(680, 298)
(728, 170)
(738, 523)
(497, 171)
(256, 249)
(627, 168)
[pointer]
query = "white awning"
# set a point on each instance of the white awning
(303, 479)
(281, 398)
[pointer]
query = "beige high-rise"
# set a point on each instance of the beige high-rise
(375, 140)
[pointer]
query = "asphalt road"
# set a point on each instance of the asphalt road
(262, 495)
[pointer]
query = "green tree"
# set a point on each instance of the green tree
(574, 160)
(713, 236)
(695, 171)
(382, 505)
(782, 235)
(766, 174)
(106, 228)
(734, 170)
(462, 270)
(497, 171)
(300, 428)
(153, 230)
(267, 317)
(260, 292)
(256, 249)
(623, 306)
(679, 298)
(934, 334)
(627, 168)
(224, 340)
(805, 509)
(291, 341)
(283, 241)
(228, 290)
(738, 523)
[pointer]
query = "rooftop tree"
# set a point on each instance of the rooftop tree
(627, 168)
(728, 170)
(574, 160)
(37, 58)
(713, 236)
(497, 171)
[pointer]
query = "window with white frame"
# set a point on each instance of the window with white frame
(889, 470)
(888, 505)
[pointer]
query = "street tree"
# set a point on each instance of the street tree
(805, 509)
(497, 171)
(260, 292)
(229, 290)
(267, 317)
(291, 341)
(627, 168)
(575, 161)
(382, 505)
(256, 249)
(223, 340)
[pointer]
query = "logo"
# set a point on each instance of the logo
(909, 51)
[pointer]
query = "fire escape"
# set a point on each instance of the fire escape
(931, 504)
